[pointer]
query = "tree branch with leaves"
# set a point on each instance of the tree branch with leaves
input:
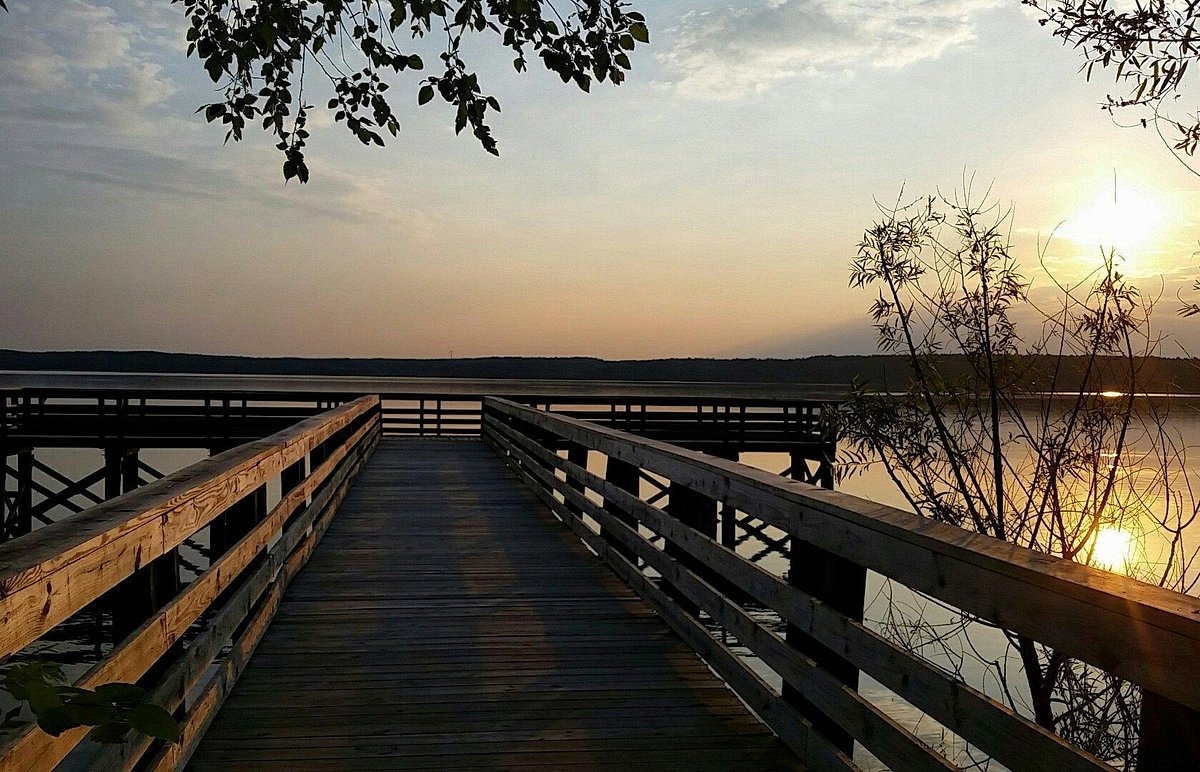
(112, 710)
(263, 54)
(1148, 46)
(1044, 441)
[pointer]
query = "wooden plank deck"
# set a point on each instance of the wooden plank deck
(447, 621)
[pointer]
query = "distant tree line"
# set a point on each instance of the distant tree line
(883, 371)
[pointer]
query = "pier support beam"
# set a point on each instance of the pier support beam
(699, 512)
(318, 454)
(728, 513)
(578, 455)
(835, 581)
(1168, 735)
(225, 529)
(16, 495)
(24, 520)
(237, 521)
(627, 477)
(134, 600)
(19, 516)
(289, 478)
(5, 506)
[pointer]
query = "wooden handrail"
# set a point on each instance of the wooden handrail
(1137, 631)
(57, 570)
(75, 560)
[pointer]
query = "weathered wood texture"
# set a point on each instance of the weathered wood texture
(1135, 630)
(449, 622)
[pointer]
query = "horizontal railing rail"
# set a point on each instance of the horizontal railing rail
(126, 549)
(1138, 632)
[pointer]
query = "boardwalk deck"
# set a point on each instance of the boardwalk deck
(446, 621)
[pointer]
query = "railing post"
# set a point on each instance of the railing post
(841, 585)
(1168, 735)
(699, 512)
(628, 478)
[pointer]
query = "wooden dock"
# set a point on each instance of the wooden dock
(540, 584)
(448, 621)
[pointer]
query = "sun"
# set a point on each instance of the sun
(1129, 220)
(1113, 550)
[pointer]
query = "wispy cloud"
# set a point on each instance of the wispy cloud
(726, 53)
(77, 62)
(86, 106)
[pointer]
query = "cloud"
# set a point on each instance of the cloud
(726, 53)
(86, 107)
(77, 61)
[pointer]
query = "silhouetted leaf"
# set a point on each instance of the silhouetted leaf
(58, 719)
(121, 694)
(150, 719)
(111, 733)
(90, 714)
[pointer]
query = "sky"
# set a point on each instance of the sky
(710, 206)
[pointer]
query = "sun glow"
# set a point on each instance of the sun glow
(1130, 219)
(1113, 550)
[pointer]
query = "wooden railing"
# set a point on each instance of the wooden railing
(1135, 631)
(126, 547)
(128, 425)
(714, 423)
(219, 419)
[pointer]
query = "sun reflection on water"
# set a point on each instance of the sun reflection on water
(1113, 550)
